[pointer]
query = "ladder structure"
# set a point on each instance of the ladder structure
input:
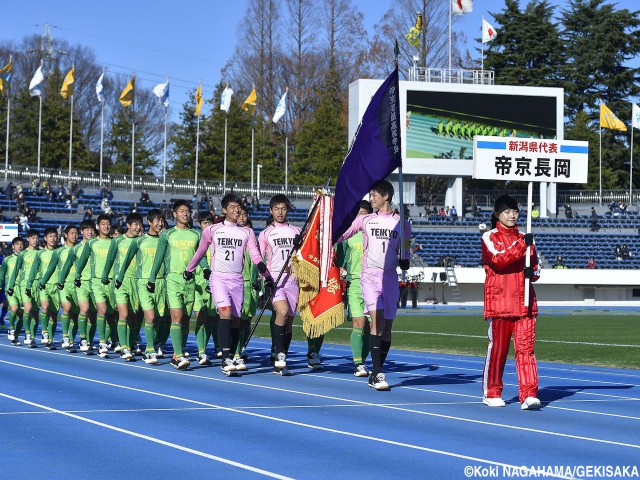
(456, 296)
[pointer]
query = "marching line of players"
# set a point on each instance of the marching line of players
(113, 286)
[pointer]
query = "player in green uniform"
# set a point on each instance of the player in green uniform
(349, 255)
(176, 247)
(126, 294)
(205, 308)
(251, 289)
(49, 298)
(101, 251)
(25, 291)
(66, 277)
(153, 305)
(14, 300)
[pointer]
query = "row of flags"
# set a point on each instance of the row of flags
(127, 97)
(609, 120)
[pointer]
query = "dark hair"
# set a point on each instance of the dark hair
(134, 217)
(249, 223)
(502, 203)
(153, 214)
(49, 230)
(87, 224)
(33, 233)
(181, 203)
(118, 229)
(16, 240)
(101, 217)
(279, 198)
(269, 220)
(68, 228)
(244, 208)
(230, 198)
(383, 188)
(207, 217)
(366, 205)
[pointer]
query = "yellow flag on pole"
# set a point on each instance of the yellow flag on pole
(198, 99)
(67, 85)
(5, 75)
(127, 96)
(249, 104)
(609, 120)
(413, 37)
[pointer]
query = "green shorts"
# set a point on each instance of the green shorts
(180, 293)
(103, 294)
(354, 299)
(34, 298)
(16, 298)
(83, 292)
(250, 302)
(156, 301)
(69, 295)
(203, 299)
(51, 294)
(127, 294)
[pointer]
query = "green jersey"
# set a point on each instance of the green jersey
(349, 255)
(45, 260)
(7, 268)
(123, 242)
(249, 270)
(101, 251)
(21, 271)
(144, 250)
(68, 271)
(65, 253)
(175, 250)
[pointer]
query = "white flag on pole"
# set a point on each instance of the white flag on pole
(458, 7)
(635, 116)
(99, 87)
(162, 92)
(281, 108)
(225, 99)
(488, 32)
(35, 87)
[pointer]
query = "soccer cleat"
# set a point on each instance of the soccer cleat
(203, 359)
(185, 354)
(239, 364)
(160, 353)
(137, 350)
(313, 362)
(65, 342)
(218, 352)
(378, 381)
(283, 372)
(360, 370)
(30, 342)
(126, 355)
(103, 349)
(45, 338)
(84, 346)
(117, 348)
(493, 402)
(72, 348)
(180, 363)
(15, 343)
(150, 358)
(228, 367)
(12, 335)
(530, 403)
(50, 346)
(280, 361)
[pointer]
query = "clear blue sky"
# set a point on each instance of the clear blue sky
(187, 40)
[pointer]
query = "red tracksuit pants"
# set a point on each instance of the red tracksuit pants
(524, 337)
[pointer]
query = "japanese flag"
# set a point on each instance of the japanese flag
(458, 7)
(488, 32)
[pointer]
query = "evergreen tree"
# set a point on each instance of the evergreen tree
(118, 146)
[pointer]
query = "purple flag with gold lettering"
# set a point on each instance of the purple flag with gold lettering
(374, 153)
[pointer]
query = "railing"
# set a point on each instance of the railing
(444, 75)
(174, 185)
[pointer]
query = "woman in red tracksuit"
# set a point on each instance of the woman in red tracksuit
(504, 250)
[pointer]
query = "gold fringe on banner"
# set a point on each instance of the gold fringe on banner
(316, 326)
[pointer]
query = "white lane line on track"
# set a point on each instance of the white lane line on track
(577, 410)
(150, 439)
(281, 420)
(329, 397)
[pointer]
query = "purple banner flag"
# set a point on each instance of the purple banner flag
(374, 153)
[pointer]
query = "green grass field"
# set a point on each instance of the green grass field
(607, 339)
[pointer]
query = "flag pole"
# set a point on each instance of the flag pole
(400, 179)
(482, 43)
(71, 137)
(164, 168)
(631, 169)
(195, 181)
(600, 165)
(224, 174)
(6, 150)
(527, 260)
(292, 252)
(450, 15)
(133, 141)
(253, 131)
(286, 164)
(101, 128)
(39, 133)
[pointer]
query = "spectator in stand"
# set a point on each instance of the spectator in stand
(535, 213)
(442, 213)
(454, 214)
(615, 210)
(8, 191)
(594, 225)
(559, 263)
(88, 213)
(626, 255)
(118, 218)
(134, 208)
(45, 187)
(617, 252)
(61, 193)
(24, 222)
(446, 211)
(243, 199)
(104, 205)
(256, 202)
(145, 200)
(163, 208)
(32, 215)
(19, 201)
(568, 212)
(591, 263)
(35, 185)
(67, 202)
(623, 208)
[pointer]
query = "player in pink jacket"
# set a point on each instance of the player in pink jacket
(228, 242)
(379, 278)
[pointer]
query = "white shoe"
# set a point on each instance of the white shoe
(103, 349)
(117, 348)
(65, 342)
(281, 361)
(360, 371)
(127, 356)
(313, 362)
(530, 403)
(228, 367)
(379, 381)
(284, 372)
(185, 354)
(12, 335)
(150, 358)
(45, 338)
(160, 353)
(493, 402)
(203, 359)
(239, 364)
(218, 352)
(84, 346)
(72, 348)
